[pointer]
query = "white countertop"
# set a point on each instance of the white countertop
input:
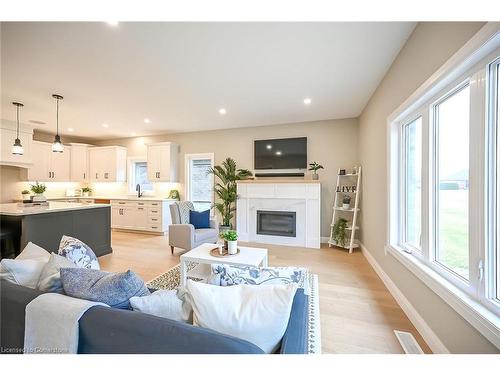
(15, 209)
(119, 198)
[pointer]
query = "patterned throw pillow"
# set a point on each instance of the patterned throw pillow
(78, 252)
(113, 289)
(226, 275)
(184, 208)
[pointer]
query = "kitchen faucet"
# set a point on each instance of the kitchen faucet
(138, 189)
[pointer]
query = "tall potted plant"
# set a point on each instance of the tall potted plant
(225, 189)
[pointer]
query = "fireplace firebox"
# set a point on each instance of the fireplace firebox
(277, 223)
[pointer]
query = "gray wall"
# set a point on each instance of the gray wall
(333, 143)
(429, 46)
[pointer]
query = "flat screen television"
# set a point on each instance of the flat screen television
(286, 153)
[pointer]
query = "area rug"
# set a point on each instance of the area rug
(171, 279)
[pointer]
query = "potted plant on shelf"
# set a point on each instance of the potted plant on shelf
(315, 166)
(346, 202)
(26, 195)
(339, 232)
(230, 238)
(225, 189)
(86, 191)
(38, 189)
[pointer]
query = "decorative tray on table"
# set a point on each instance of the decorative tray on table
(215, 253)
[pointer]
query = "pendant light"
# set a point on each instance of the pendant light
(17, 148)
(57, 146)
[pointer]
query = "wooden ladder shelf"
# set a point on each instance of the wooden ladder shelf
(347, 184)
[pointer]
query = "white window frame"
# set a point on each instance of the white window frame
(187, 163)
(467, 298)
(131, 180)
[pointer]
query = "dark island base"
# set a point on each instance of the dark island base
(92, 226)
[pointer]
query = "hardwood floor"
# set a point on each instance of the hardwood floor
(358, 314)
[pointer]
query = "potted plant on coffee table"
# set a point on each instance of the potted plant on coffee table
(225, 189)
(38, 189)
(315, 166)
(230, 238)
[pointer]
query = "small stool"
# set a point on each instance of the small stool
(7, 248)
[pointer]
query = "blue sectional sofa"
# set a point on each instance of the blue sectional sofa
(112, 331)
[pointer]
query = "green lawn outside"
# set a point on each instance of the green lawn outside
(453, 236)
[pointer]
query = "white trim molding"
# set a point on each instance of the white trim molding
(427, 333)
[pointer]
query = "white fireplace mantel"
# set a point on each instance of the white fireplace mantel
(301, 197)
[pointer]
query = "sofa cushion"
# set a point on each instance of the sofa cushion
(25, 272)
(113, 289)
(258, 314)
(78, 252)
(226, 275)
(34, 252)
(205, 235)
(199, 219)
(184, 208)
(50, 277)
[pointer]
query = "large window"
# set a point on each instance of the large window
(199, 183)
(412, 133)
(451, 124)
(444, 187)
(138, 175)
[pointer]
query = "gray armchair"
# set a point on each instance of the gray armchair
(182, 234)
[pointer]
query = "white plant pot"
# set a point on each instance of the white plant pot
(26, 197)
(39, 198)
(346, 206)
(85, 193)
(232, 247)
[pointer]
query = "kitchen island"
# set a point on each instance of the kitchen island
(45, 225)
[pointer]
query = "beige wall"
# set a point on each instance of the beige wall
(430, 45)
(333, 143)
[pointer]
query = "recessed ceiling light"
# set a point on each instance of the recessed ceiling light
(147, 121)
(269, 147)
(71, 129)
(222, 111)
(307, 101)
(278, 153)
(112, 23)
(105, 125)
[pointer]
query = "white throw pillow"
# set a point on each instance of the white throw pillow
(163, 303)
(50, 277)
(25, 272)
(256, 313)
(34, 252)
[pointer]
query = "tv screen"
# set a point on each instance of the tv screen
(286, 153)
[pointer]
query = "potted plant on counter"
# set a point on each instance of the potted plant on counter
(86, 191)
(225, 189)
(26, 195)
(315, 166)
(38, 189)
(230, 238)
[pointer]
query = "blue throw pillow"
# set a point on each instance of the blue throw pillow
(113, 289)
(199, 219)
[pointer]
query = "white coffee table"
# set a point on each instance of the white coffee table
(248, 256)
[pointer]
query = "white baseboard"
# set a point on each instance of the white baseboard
(324, 239)
(427, 333)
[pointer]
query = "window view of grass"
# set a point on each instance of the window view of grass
(453, 234)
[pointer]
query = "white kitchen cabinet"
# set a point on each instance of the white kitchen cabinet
(79, 168)
(8, 134)
(108, 164)
(140, 215)
(48, 165)
(162, 162)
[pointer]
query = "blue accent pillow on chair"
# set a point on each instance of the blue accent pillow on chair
(199, 219)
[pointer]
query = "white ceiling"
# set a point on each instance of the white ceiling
(180, 74)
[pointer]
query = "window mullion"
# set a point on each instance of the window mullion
(477, 178)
